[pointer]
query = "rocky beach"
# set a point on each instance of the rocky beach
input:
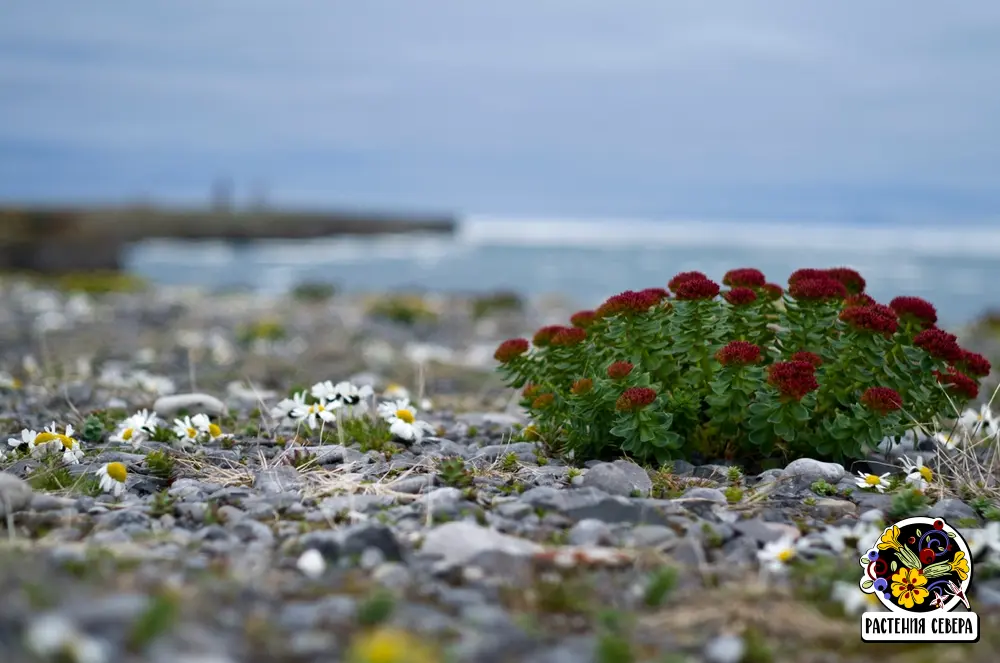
(241, 525)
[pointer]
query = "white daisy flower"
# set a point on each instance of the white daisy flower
(113, 477)
(186, 430)
(283, 410)
(865, 536)
(324, 391)
(775, 556)
(403, 422)
(354, 398)
(872, 481)
(8, 381)
(985, 539)
(206, 427)
(315, 413)
(52, 636)
(136, 429)
(918, 475)
(982, 421)
(853, 600)
(948, 440)
(51, 440)
(396, 392)
(26, 440)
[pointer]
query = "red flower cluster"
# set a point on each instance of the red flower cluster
(695, 289)
(738, 353)
(510, 349)
(635, 398)
(744, 277)
(974, 363)
(939, 344)
(685, 276)
(817, 289)
(915, 308)
(567, 336)
(620, 370)
(808, 357)
(853, 281)
(882, 400)
(582, 319)
(773, 291)
(858, 300)
(530, 390)
(794, 379)
(582, 386)
(740, 296)
(629, 302)
(543, 336)
(659, 293)
(807, 273)
(543, 401)
(959, 382)
(874, 318)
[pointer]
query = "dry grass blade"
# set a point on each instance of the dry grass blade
(973, 466)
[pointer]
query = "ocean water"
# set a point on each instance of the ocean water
(957, 269)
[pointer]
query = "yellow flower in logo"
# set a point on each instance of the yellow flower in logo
(908, 587)
(960, 565)
(889, 539)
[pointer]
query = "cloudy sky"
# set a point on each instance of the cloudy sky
(849, 110)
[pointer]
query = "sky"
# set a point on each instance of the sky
(847, 111)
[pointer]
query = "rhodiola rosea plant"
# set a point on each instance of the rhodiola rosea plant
(752, 371)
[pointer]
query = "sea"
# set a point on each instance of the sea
(956, 267)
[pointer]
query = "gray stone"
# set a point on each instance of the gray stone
(650, 536)
(194, 403)
(15, 494)
(702, 493)
(814, 470)
(495, 451)
(582, 503)
(590, 532)
(619, 478)
(280, 479)
(459, 543)
(413, 485)
(952, 510)
(354, 540)
(725, 649)
(758, 530)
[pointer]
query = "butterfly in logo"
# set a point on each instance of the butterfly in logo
(955, 590)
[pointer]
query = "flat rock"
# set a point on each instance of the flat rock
(193, 403)
(15, 494)
(619, 478)
(815, 470)
(458, 543)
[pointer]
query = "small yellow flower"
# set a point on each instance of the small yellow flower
(889, 539)
(391, 646)
(908, 587)
(960, 565)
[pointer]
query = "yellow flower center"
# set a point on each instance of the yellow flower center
(127, 434)
(43, 438)
(214, 430)
(117, 472)
(405, 415)
(786, 555)
(15, 383)
(871, 598)
(926, 473)
(872, 480)
(192, 432)
(67, 442)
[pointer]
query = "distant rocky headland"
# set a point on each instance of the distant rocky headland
(67, 239)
